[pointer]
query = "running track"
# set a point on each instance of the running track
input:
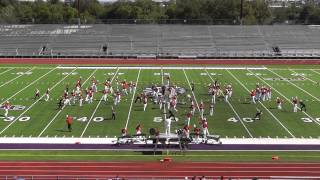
(158, 169)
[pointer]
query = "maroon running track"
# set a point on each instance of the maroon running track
(146, 61)
(159, 169)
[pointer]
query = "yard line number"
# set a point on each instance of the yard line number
(245, 119)
(11, 118)
(309, 120)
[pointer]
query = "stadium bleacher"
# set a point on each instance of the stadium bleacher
(160, 40)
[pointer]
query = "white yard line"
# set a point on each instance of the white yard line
(95, 110)
(7, 82)
(294, 85)
(284, 127)
(240, 119)
(29, 85)
(314, 70)
(194, 96)
(137, 80)
(6, 71)
(283, 96)
(34, 103)
(62, 109)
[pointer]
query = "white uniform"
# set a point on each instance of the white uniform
(211, 109)
(6, 109)
(167, 124)
(145, 103)
(47, 95)
(80, 101)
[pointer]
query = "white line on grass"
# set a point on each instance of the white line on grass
(283, 96)
(132, 99)
(294, 85)
(35, 103)
(313, 70)
(7, 82)
(6, 71)
(62, 109)
(194, 97)
(284, 127)
(29, 85)
(95, 110)
(245, 127)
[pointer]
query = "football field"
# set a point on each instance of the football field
(31, 117)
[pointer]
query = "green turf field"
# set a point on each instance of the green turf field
(233, 119)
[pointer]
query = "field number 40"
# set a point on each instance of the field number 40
(246, 119)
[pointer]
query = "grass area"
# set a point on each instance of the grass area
(41, 118)
(142, 156)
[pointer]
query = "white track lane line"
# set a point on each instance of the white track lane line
(284, 127)
(194, 96)
(6, 71)
(283, 96)
(95, 110)
(29, 85)
(294, 85)
(128, 118)
(245, 127)
(35, 102)
(7, 82)
(62, 109)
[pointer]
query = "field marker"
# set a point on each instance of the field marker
(285, 97)
(29, 85)
(7, 82)
(294, 85)
(249, 133)
(95, 110)
(132, 99)
(33, 104)
(304, 77)
(6, 71)
(191, 91)
(62, 109)
(262, 104)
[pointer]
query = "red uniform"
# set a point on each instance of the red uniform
(6, 105)
(204, 124)
(69, 120)
(201, 106)
(138, 129)
(196, 131)
(253, 93)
